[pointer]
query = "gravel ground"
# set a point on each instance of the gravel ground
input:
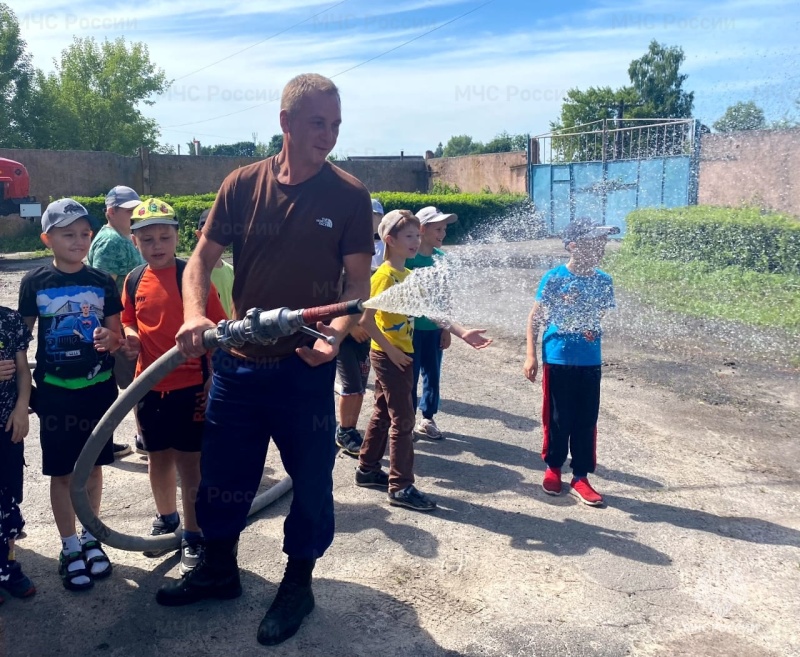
(696, 552)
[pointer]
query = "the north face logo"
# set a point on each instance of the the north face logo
(325, 222)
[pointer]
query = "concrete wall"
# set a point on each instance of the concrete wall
(408, 175)
(55, 174)
(183, 174)
(758, 167)
(473, 173)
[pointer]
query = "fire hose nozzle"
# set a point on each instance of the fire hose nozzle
(267, 326)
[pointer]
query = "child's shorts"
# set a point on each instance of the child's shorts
(173, 419)
(352, 367)
(12, 462)
(67, 419)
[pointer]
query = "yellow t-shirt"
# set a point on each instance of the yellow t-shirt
(398, 329)
(222, 278)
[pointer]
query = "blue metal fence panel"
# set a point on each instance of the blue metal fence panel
(587, 189)
(637, 167)
(677, 171)
(651, 183)
(607, 191)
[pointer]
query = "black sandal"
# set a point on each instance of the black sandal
(68, 576)
(100, 558)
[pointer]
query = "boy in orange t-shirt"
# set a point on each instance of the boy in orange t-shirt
(172, 414)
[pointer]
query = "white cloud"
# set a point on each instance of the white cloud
(475, 77)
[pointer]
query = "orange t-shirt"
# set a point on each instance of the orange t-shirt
(157, 317)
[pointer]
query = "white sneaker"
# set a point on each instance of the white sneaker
(428, 429)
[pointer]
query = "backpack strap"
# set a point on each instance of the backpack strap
(132, 282)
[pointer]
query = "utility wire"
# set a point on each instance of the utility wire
(258, 43)
(347, 70)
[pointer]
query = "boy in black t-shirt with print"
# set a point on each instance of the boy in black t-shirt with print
(77, 308)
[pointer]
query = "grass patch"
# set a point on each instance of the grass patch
(697, 288)
(18, 235)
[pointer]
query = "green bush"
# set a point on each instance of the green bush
(187, 210)
(475, 211)
(721, 237)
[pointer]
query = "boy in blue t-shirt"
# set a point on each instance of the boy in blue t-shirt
(570, 304)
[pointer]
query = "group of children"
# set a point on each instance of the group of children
(399, 350)
(89, 320)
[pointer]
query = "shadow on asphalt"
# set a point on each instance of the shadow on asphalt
(120, 616)
(489, 450)
(628, 479)
(481, 412)
(355, 518)
(561, 538)
(752, 530)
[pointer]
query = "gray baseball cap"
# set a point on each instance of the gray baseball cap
(60, 214)
(432, 215)
(122, 197)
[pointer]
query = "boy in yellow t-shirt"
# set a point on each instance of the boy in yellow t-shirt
(221, 275)
(391, 357)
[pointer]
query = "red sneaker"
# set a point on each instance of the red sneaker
(552, 481)
(585, 492)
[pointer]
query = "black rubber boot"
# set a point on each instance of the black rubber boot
(293, 602)
(216, 576)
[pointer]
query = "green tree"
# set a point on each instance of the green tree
(91, 101)
(656, 91)
(239, 149)
(439, 150)
(786, 122)
(741, 116)
(505, 143)
(657, 80)
(16, 79)
(461, 145)
(275, 145)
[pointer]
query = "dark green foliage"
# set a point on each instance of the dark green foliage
(475, 211)
(187, 209)
(721, 237)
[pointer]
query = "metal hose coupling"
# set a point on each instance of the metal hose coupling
(266, 327)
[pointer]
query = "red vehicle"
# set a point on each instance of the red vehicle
(15, 186)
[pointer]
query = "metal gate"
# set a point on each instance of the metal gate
(603, 172)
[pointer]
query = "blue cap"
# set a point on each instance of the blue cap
(60, 214)
(122, 197)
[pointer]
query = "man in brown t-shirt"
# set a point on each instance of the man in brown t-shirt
(294, 221)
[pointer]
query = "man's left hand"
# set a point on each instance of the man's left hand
(321, 352)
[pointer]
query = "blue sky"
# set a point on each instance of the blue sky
(504, 66)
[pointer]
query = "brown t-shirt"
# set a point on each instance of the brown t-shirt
(289, 240)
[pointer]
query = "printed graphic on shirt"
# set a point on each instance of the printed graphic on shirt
(575, 306)
(69, 315)
(14, 337)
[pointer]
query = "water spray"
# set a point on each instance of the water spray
(258, 326)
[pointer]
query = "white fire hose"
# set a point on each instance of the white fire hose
(258, 327)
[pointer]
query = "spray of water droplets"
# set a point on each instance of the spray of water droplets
(490, 282)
